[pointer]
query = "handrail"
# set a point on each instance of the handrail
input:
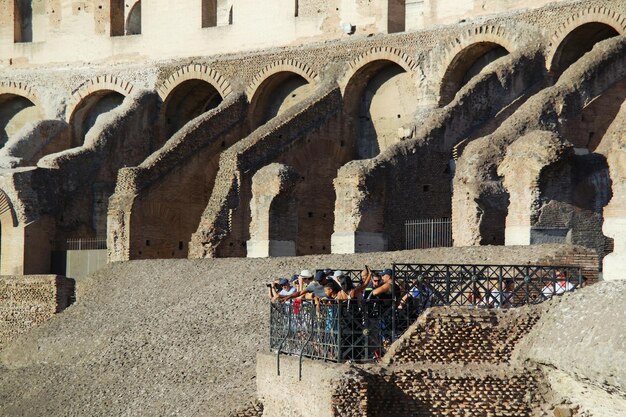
(361, 332)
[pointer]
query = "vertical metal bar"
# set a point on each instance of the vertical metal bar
(500, 291)
(339, 336)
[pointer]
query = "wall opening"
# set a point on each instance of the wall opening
(468, 63)
(209, 13)
(23, 21)
(396, 16)
(15, 112)
(187, 101)
(117, 17)
(276, 95)
(577, 43)
(380, 99)
(575, 194)
(133, 21)
(87, 112)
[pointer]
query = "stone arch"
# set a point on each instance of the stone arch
(7, 213)
(378, 54)
(379, 99)
(9, 246)
(101, 83)
(284, 65)
(278, 86)
(589, 16)
(188, 93)
(18, 106)
(468, 54)
(195, 72)
(95, 97)
(20, 89)
(133, 20)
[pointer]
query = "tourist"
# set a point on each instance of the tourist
(280, 289)
(351, 292)
(374, 282)
(559, 285)
(331, 290)
(388, 289)
(420, 295)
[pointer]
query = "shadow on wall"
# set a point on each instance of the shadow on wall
(87, 112)
(187, 101)
(277, 94)
(15, 112)
(577, 43)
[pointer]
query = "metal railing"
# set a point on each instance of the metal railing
(360, 330)
(427, 233)
(334, 331)
(86, 244)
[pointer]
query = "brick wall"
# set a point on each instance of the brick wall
(452, 335)
(26, 302)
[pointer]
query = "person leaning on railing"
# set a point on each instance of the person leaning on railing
(387, 289)
(309, 287)
(559, 285)
(351, 292)
(280, 289)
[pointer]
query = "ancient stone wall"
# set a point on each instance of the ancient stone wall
(449, 335)
(26, 302)
(98, 30)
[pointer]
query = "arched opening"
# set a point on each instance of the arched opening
(577, 43)
(468, 63)
(276, 94)
(590, 189)
(187, 101)
(89, 109)
(133, 21)
(379, 99)
(22, 21)
(396, 16)
(209, 13)
(15, 112)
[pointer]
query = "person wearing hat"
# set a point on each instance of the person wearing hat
(388, 287)
(285, 289)
(305, 280)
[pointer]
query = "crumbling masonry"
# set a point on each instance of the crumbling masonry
(215, 129)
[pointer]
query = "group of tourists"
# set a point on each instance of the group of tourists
(328, 285)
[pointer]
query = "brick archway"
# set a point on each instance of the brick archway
(285, 65)
(600, 15)
(377, 54)
(475, 43)
(22, 90)
(101, 83)
(194, 72)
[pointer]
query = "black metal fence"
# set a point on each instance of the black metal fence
(360, 330)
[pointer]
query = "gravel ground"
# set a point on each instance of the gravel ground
(172, 337)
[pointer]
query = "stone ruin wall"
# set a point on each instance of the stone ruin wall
(185, 197)
(26, 302)
(494, 362)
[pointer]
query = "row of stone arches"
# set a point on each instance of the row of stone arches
(372, 81)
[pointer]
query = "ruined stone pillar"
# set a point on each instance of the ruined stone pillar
(614, 226)
(274, 223)
(359, 219)
(525, 161)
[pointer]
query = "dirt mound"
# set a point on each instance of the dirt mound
(170, 337)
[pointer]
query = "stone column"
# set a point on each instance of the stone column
(274, 210)
(358, 212)
(614, 226)
(525, 161)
